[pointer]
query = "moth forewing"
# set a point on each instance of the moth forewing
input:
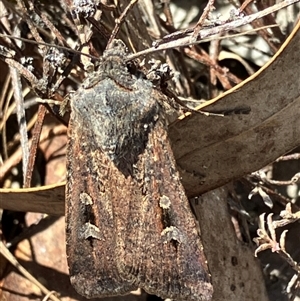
(91, 254)
(159, 245)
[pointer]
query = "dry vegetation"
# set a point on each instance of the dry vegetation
(224, 153)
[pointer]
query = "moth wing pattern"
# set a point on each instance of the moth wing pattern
(92, 260)
(159, 226)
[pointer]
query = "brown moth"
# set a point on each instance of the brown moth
(129, 223)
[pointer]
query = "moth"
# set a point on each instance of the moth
(128, 221)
